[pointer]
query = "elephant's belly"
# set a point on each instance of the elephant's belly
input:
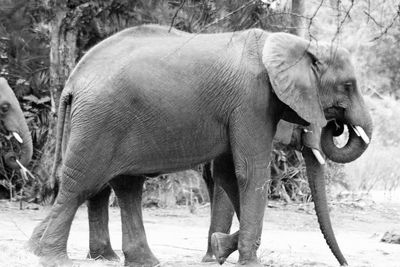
(172, 149)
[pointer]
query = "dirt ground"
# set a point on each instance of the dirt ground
(178, 238)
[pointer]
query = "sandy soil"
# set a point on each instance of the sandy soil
(178, 238)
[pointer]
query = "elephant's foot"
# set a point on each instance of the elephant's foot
(48, 259)
(33, 246)
(103, 254)
(151, 262)
(252, 263)
(222, 245)
(143, 258)
(209, 257)
(49, 256)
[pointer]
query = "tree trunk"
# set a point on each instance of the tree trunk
(63, 55)
(297, 21)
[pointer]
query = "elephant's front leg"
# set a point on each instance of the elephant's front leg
(253, 197)
(99, 236)
(134, 243)
(251, 140)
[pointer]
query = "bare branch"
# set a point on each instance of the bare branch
(340, 25)
(176, 14)
(229, 14)
(373, 19)
(388, 26)
(312, 18)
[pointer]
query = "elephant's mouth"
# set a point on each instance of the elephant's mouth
(334, 113)
(359, 129)
(338, 128)
(358, 140)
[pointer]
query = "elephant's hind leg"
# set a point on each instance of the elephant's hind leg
(49, 238)
(221, 220)
(134, 243)
(99, 236)
(226, 193)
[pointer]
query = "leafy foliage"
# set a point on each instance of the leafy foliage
(288, 177)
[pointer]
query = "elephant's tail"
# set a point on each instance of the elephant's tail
(63, 109)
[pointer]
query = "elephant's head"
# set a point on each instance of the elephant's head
(317, 83)
(13, 125)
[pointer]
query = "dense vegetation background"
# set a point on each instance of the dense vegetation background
(41, 40)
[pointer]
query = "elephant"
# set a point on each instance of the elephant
(219, 242)
(163, 102)
(14, 126)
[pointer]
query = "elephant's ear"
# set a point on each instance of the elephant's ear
(291, 65)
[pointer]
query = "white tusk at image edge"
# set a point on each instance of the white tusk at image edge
(24, 169)
(18, 137)
(363, 135)
(318, 156)
(355, 130)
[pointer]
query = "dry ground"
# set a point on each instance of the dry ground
(178, 238)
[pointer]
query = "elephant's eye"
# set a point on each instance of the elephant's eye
(348, 86)
(4, 108)
(316, 63)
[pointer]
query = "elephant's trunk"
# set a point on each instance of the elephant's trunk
(355, 146)
(26, 147)
(19, 129)
(316, 180)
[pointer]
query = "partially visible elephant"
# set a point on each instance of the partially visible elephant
(165, 102)
(13, 125)
(220, 242)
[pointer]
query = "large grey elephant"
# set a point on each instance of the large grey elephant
(13, 124)
(167, 102)
(220, 243)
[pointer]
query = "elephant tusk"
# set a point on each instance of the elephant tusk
(25, 170)
(318, 156)
(363, 135)
(18, 137)
(355, 130)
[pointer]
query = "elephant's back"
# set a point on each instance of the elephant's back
(140, 45)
